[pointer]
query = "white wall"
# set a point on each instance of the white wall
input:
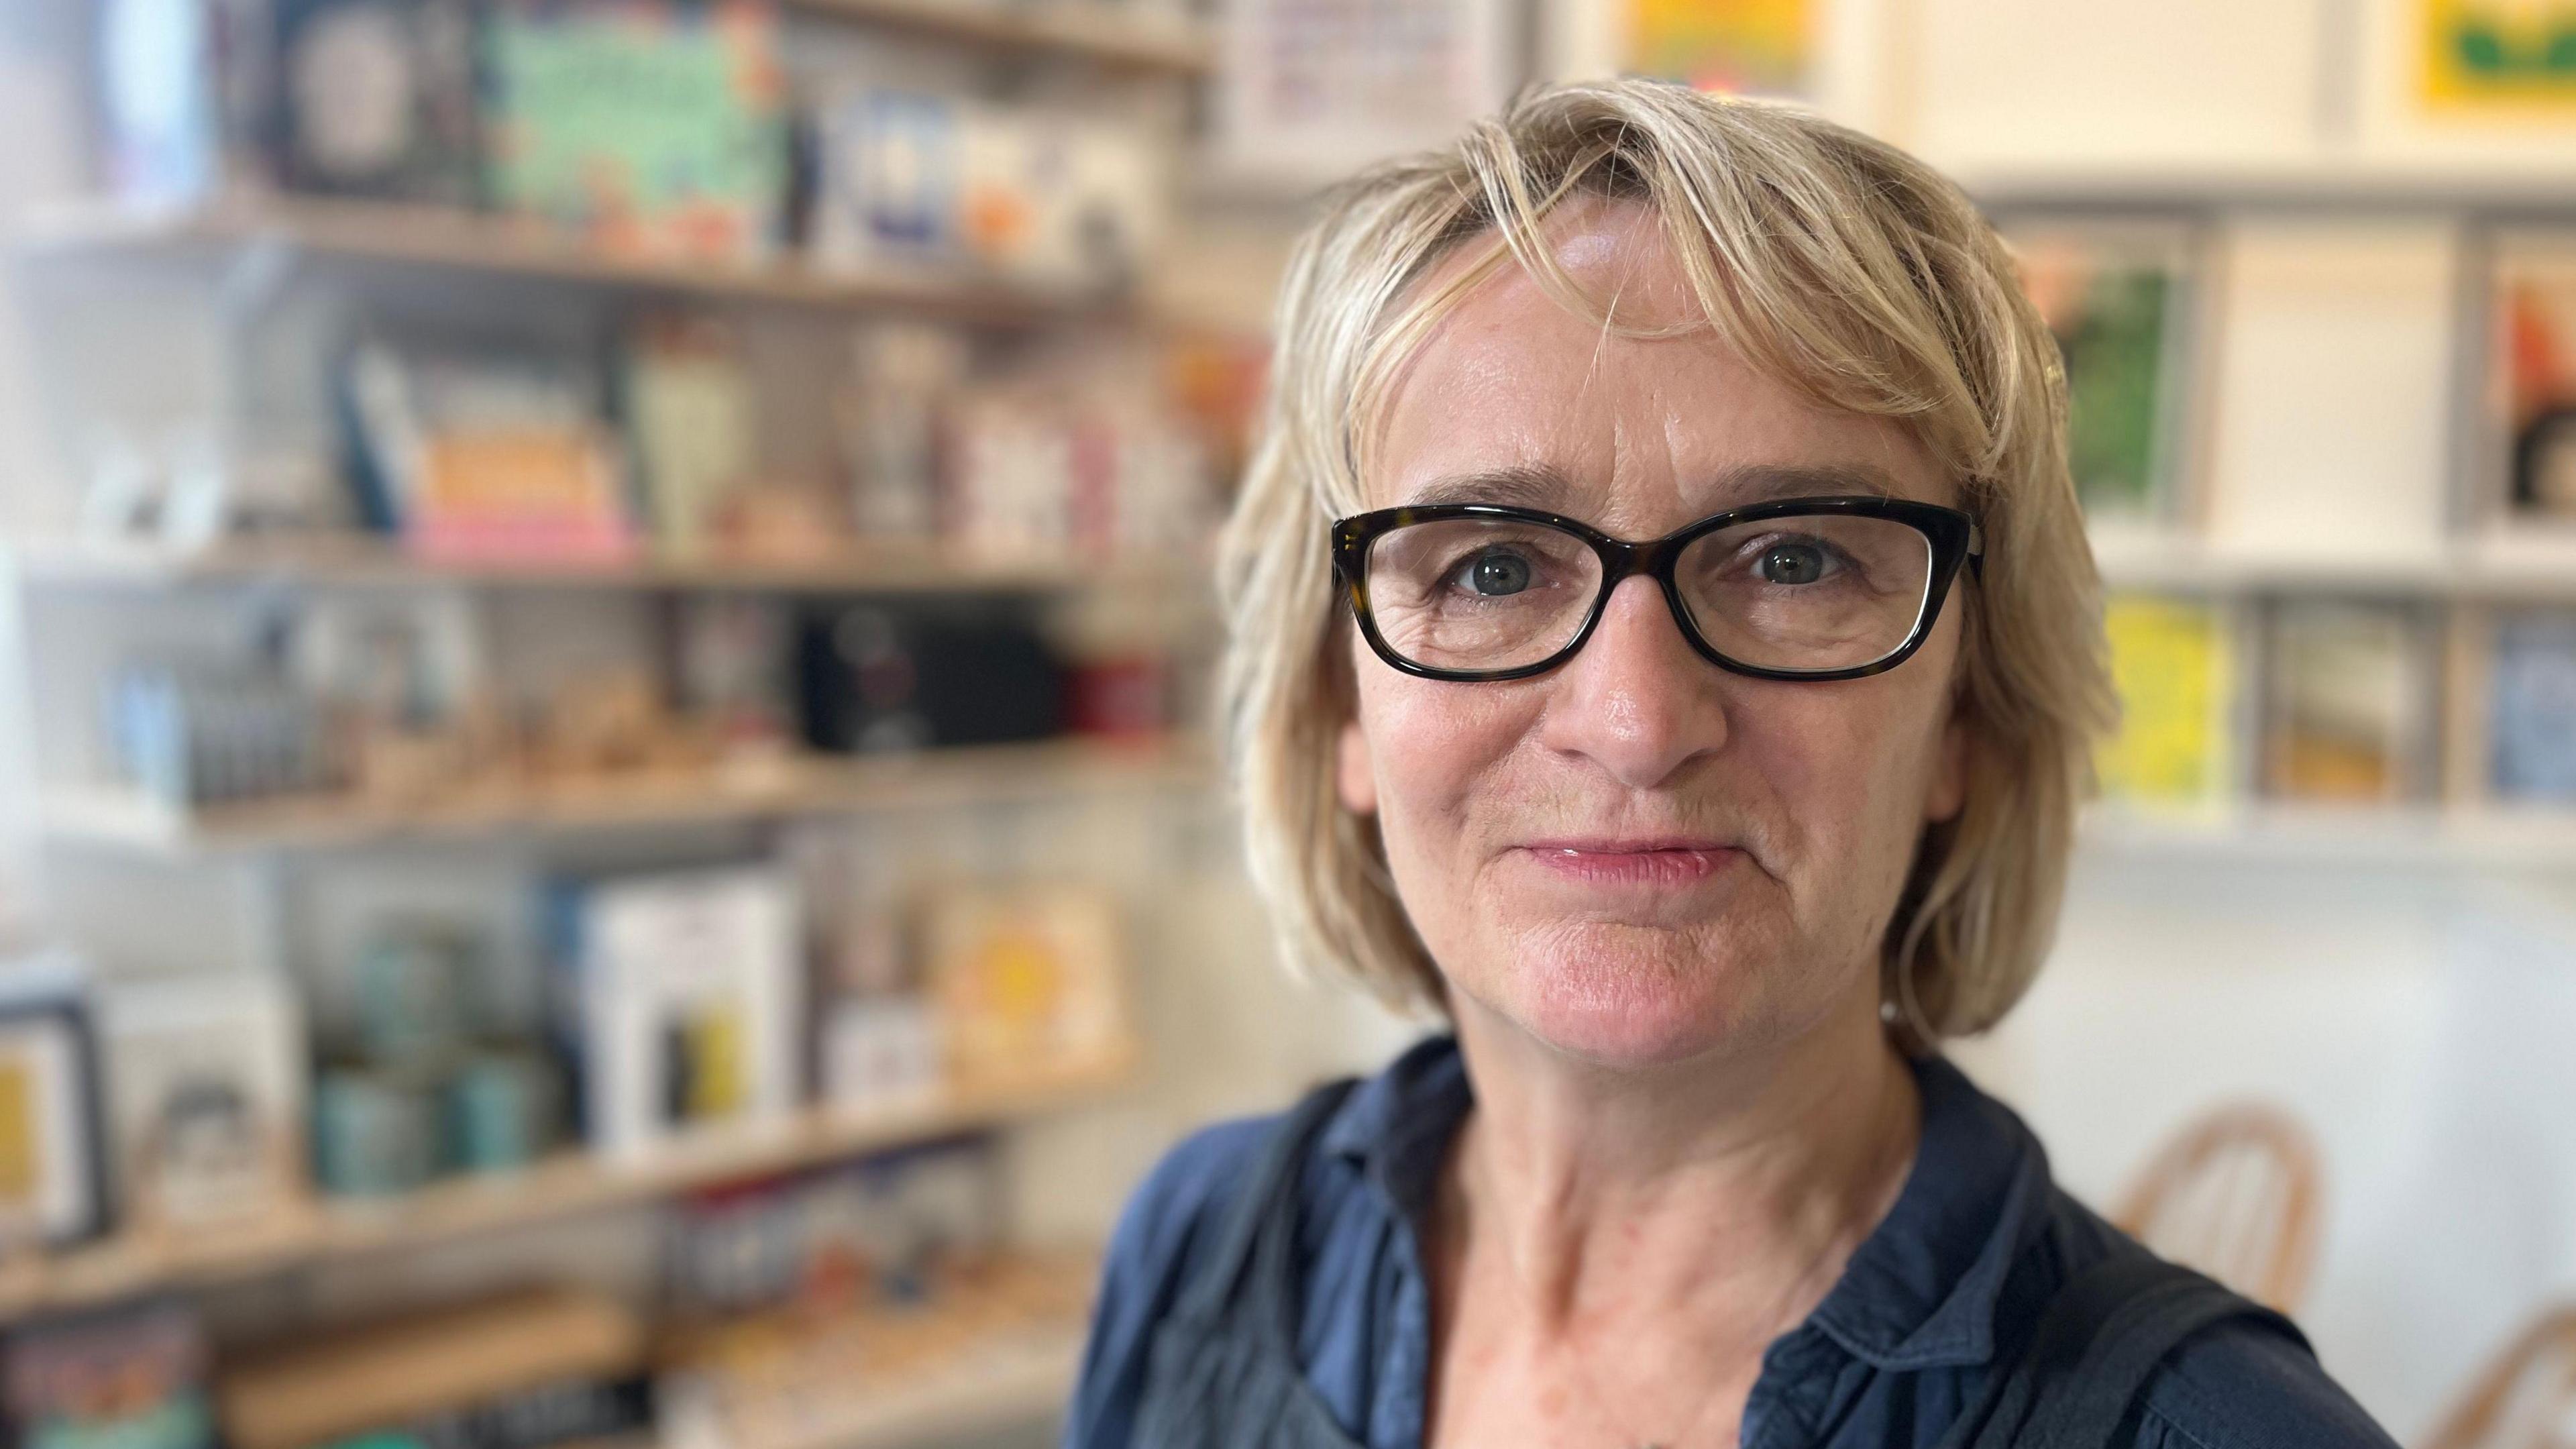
(2415, 1020)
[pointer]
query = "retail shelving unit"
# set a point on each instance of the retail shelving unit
(805, 786)
(995, 1380)
(2459, 558)
(569, 1185)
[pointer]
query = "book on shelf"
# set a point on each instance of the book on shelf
(2118, 302)
(2174, 666)
(654, 127)
(2331, 428)
(2535, 331)
(678, 998)
(479, 453)
(2531, 709)
(2349, 703)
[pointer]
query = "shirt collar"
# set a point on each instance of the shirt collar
(1920, 1291)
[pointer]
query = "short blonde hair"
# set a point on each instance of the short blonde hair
(1834, 263)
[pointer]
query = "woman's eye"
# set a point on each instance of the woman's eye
(1494, 574)
(1793, 561)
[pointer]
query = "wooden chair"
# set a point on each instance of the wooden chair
(2526, 1399)
(2235, 1195)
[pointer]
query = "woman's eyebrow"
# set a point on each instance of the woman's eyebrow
(1761, 482)
(1536, 486)
(1549, 490)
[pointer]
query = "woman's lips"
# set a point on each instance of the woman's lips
(1632, 863)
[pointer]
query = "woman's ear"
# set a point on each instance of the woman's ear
(1354, 774)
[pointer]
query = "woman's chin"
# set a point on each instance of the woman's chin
(1630, 1009)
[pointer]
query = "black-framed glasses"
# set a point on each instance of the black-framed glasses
(1801, 588)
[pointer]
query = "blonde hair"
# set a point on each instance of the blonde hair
(1834, 263)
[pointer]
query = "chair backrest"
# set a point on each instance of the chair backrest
(2526, 1399)
(2235, 1195)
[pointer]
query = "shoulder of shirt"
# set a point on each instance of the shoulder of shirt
(1174, 1213)
(2235, 1386)
(2239, 1387)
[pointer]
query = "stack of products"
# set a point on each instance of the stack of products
(519, 451)
(869, 1234)
(486, 453)
(807, 1377)
(128, 1378)
(909, 177)
(189, 734)
(436, 1079)
(644, 127)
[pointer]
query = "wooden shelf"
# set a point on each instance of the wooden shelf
(2411, 837)
(450, 237)
(2538, 567)
(571, 1185)
(995, 1387)
(813, 786)
(2497, 190)
(995, 1349)
(1075, 28)
(360, 562)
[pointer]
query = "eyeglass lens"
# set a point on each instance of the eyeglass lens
(1808, 592)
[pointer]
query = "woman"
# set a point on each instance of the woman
(1665, 644)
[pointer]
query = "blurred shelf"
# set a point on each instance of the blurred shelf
(451, 237)
(2480, 837)
(2113, 187)
(994, 1349)
(811, 786)
(569, 1185)
(1080, 28)
(1005, 1387)
(356, 562)
(2535, 565)
(997, 1386)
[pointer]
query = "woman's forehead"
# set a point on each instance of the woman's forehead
(1516, 390)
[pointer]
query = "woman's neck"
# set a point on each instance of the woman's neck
(1719, 1198)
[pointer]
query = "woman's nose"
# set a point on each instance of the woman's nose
(1636, 700)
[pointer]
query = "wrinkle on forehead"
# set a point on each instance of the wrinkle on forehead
(1642, 432)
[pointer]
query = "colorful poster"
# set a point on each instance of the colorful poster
(2500, 56)
(1748, 46)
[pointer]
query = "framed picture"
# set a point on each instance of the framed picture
(204, 1098)
(1024, 980)
(1313, 89)
(52, 1186)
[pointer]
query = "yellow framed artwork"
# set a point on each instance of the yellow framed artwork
(2504, 58)
(1759, 46)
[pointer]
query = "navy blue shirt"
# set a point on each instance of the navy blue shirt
(1977, 1241)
